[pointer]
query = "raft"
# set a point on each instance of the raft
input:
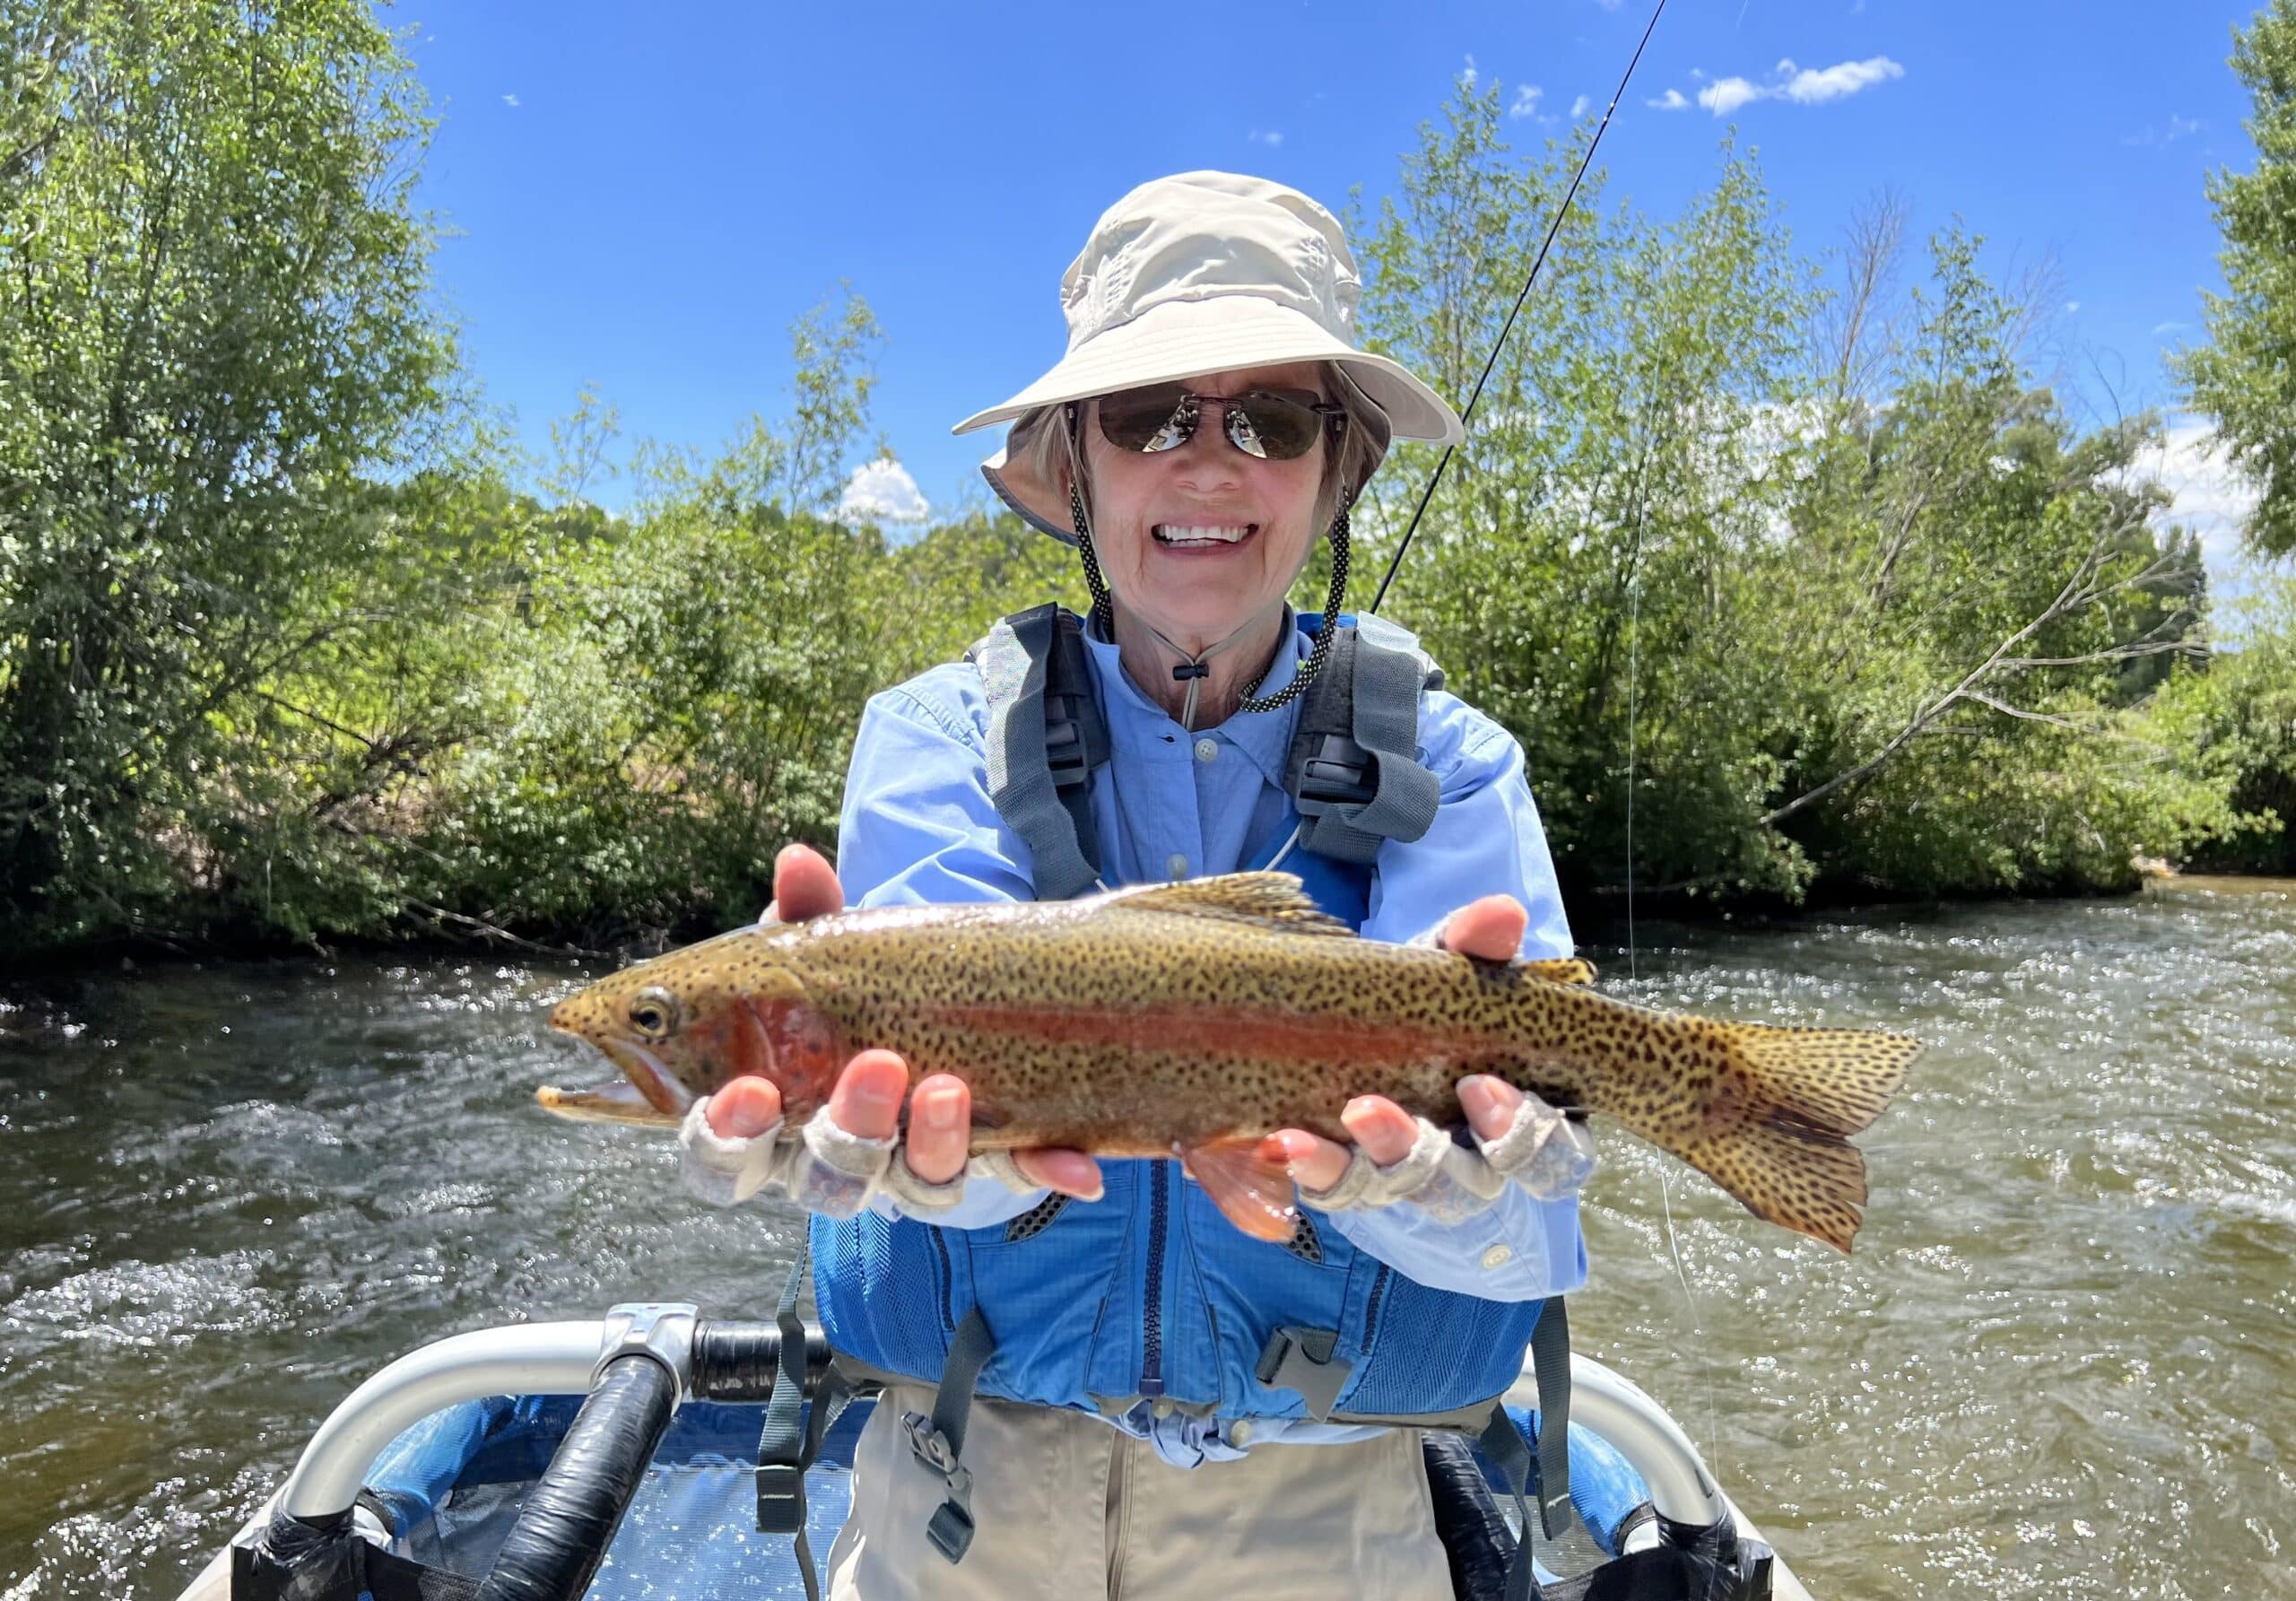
(616, 1459)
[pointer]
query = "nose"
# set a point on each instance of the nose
(1208, 463)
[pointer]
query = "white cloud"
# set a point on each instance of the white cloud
(1467, 74)
(1814, 88)
(510, 100)
(2071, 307)
(2170, 327)
(2210, 498)
(1527, 101)
(883, 491)
(1672, 101)
(1270, 137)
(1726, 95)
(1580, 107)
(1803, 85)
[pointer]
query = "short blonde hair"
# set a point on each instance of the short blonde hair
(1037, 445)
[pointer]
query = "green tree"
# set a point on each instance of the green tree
(2245, 377)
(214, 343)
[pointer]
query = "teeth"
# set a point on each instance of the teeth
(1173, 533)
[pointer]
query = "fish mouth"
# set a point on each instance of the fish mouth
(647, 1093)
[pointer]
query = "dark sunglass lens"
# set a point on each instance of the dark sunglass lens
(1272, 426)
(1148, 420)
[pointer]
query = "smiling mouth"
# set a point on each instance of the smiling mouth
(1202, 536)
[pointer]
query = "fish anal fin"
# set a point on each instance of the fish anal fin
(1253, 1191)
(1273, 900)
(1568, 969)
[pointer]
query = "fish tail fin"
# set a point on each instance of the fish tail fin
(1789, 1174)
(1786, 1156)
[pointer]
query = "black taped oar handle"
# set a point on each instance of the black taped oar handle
(570, 1517)
(737, 1359)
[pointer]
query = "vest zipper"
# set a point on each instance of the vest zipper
(1151, 1339)
(948, 1280)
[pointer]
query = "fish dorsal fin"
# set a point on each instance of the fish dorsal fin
(1271, 900)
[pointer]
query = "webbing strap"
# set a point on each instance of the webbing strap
(939, 1441)
(783, 1447)
(1550, 1367)
(1503, 1443)
(1354, 772)
(1301, 1359)
(1043, 746)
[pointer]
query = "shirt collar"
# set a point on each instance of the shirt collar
(1137, 723)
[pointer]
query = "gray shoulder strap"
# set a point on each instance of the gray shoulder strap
(1354, 772)
(1044, 738)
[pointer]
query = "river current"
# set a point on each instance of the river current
(2061, 1363)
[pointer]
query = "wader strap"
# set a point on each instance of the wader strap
(1045, 738)
(1301, 1359)
(792, 1438)
(1502, 1443)
(1550, 1367)
(1353, 771)
(939, 1440)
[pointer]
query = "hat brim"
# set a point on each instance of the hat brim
(1182, 339)
(1190, 339)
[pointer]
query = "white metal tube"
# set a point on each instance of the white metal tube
(534, 1358)
(1619, 1410)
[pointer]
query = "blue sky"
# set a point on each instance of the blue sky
(643, 197)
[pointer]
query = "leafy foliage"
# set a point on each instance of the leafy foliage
(2245, 377)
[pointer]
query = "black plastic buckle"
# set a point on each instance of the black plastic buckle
(1337, 773)
(780, 1498)
(1187, 670)
(1064, 744)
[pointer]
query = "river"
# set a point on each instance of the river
(2061, 1363)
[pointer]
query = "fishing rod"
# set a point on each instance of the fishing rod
(1554, 228)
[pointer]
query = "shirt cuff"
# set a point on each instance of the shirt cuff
(1518, 1249)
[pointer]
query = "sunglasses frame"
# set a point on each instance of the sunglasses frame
(1233, 407)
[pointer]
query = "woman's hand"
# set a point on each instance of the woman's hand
(866, 1100)
(1491, 929)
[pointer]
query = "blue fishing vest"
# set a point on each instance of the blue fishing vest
(1150, 1293)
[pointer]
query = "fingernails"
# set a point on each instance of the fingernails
(744, 1119)
(881, 1096)
(939, 1112)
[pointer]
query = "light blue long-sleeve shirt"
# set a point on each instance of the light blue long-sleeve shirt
(918, 826)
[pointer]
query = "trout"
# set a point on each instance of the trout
(1192, 1020)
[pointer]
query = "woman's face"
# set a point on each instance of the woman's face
(1166, 526)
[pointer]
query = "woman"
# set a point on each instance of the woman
(1212, 419)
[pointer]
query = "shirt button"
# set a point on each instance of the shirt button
(1177, 868)
(1207, 750)
(1163, 1406)
(1497, 1257)
(1239, 1432)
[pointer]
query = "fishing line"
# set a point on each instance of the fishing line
(1554, 228)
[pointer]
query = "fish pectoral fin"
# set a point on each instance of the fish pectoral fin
(1253, 1191)
(1568, 969)
(1272, 901)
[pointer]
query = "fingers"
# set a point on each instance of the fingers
(1382, 1128)
(1491, 928)
(1071, 1173)
(1489, 1103)
(940, 1128)
(744, 1108)
(866, 1100)
(1317, 1164)
(805, 886)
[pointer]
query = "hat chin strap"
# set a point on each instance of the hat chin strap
(1193, 669)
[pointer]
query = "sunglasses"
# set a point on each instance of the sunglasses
(1271, 424)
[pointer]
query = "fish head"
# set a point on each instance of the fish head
(682, 1026)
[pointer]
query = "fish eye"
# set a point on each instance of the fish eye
(654, 1013)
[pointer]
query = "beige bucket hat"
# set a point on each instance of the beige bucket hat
(1204, 273)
